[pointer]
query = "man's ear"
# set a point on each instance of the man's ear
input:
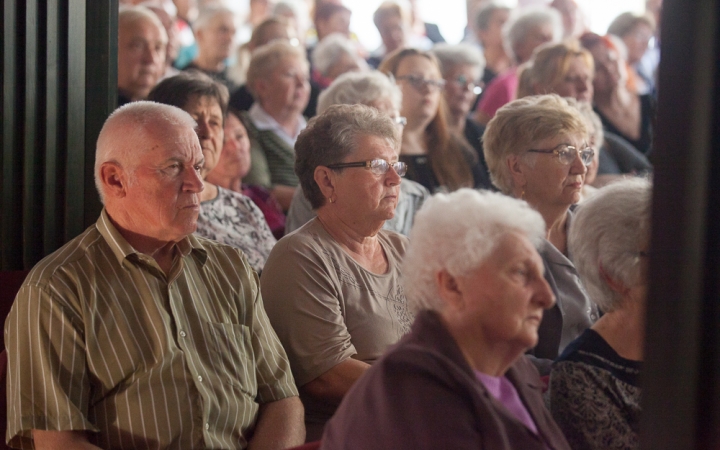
(516, 171)
(114, 179)
(326, 179)
(449, 290)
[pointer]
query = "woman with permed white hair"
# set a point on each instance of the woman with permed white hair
(459, 379)
(594, 385)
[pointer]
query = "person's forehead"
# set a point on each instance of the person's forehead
(140, 27)
(203, 103)
(372, 146)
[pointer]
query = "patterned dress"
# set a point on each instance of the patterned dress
(595, 395)
(233, 219)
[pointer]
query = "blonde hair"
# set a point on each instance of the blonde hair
(520, 124)
(549, 65)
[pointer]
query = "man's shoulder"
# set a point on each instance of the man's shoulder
(84, 249)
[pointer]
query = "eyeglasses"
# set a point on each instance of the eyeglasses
(377, 166)
(566, 154)
(400, 121)
(420, 83)
(465, 84)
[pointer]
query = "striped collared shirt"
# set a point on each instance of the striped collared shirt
(99, 339)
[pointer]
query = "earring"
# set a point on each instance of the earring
(331, 200)
(522, 195)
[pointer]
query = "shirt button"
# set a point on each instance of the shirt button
(207, 426)
(182, 334)
(200, 378)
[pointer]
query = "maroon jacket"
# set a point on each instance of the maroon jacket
(423, 394)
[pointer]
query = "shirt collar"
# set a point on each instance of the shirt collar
(122, 249)
(263, 121)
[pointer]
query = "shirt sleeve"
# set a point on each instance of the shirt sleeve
(302, 298)
(585, 409)
(47, 382)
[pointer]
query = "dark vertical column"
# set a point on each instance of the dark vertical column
(32, 218)
(101, 81)
(12, 89)
(680, 387)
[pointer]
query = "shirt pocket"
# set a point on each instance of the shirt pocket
(232, 356)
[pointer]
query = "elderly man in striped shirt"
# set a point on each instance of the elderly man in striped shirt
(138, 334)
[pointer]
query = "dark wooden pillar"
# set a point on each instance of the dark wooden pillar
(59, 77)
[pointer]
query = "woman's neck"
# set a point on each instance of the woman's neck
(456, 122)
(230, 182)
(359, 242)
(556, 223)
(624, 329)
(413, 141)
(287, 119)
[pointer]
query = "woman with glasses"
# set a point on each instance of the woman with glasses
(537, 149)
(595, 384)
(332, 288)
(376, 90)
(461, 66)
(436, 157)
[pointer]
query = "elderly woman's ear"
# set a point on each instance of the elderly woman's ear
(449, 290)
(516, 171)
(325, 179)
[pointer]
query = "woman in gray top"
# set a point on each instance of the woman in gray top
(332, 288)
(537, 149)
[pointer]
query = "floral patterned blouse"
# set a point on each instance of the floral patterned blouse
(233, 219)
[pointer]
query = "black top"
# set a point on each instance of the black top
(420, 171)
(242, 100)
(473, 134)
(647, 118)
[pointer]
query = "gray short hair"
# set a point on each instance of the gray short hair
(266, 58)
(208, 13)
(450, 56)
(625, 23)
(523, 21)
(333, 135)
(329, 51)
(125, 134)
(608, 231)
(129, 15)
(363, 88)
(523, 122)
(456, 232)
(484, 15)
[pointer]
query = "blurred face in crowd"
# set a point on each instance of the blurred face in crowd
(336, 23)
(492, 36)
(287, 89)
(392, 32)
(141, 56)
(417, 77)
(207, 113)
(345, 63)
(535, 37)
(577, 82)
(235, 156)
(607, 69)
(216, 38)
(637, 41)
(460, 82)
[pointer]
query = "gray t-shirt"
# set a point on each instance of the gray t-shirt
(412, 197)
(326, 308)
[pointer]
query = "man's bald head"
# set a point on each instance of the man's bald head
(136, 128)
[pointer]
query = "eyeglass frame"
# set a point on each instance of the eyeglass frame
(468, 85)
(419, 82)
(368, 165)
(574, 149)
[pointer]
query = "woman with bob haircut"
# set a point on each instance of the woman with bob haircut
(332, 288)
(376, 90)
(436, 157)
(459, 380)
(538, 149)
(594, 386)
(226, 216)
